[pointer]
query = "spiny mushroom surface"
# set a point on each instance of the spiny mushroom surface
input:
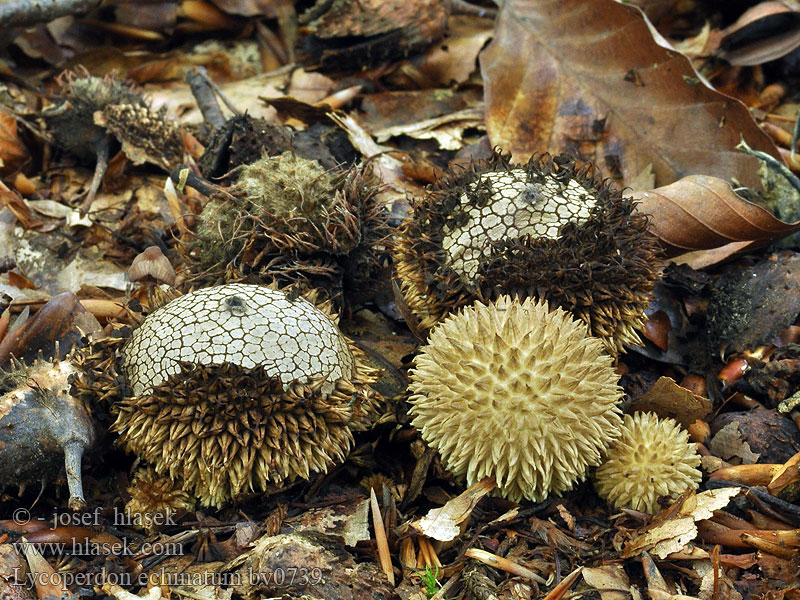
(95, 114)
(517, 392)
(244, 325)
(155, 501)
(653, 458)
(241, 387)
(550, 229)
(286, 219)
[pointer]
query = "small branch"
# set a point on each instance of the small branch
(23, 13)
(203, 93)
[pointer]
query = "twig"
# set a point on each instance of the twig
(465, 8)
(203, 93)
(29, 12)
(772, 163)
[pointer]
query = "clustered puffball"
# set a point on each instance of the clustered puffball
(517, 392)
(241, 387)
(549, 229)
(653, 458)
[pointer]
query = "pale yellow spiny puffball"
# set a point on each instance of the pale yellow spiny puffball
(653, 458)
(517, 392)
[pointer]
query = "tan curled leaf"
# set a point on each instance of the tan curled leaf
(664, 537)
(740, 46)
(669, 400)
(610, 580)
(588, 77)
(700, 212)
(443, 523)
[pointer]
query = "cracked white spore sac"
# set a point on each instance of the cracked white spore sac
(247, 325)
(518, 208)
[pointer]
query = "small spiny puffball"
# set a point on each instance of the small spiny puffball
(652, 458)
(240, 324)
(155, 500)
(517, 392)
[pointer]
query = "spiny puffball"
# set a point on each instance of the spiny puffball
(517, 392)
(550, 229)
(652, 458)
(239, 388)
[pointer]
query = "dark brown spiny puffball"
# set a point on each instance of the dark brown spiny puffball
(44, 430)
(90, 109)
(71, 121)
(287, 220)
(155, 500)
(94, 116)
(239, 388)
(550, 229)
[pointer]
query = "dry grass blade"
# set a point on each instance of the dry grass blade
(380, 537)
(427, 553)
(498, 562)
(558, 592)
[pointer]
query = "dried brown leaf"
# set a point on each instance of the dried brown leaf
(669, 400)
(611, 581)
(454, 61)
(700, 212)
(443, 523)
(13, 152)
(588, 77)
(664, 537)
(745, 44)
(15, 203)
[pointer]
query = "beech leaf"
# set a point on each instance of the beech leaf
(700, 212)
(588, 77)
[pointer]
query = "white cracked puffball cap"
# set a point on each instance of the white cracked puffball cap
(246, 325)
(652, 458)
(518, 207)
(517, 392)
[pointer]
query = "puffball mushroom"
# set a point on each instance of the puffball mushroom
(155, 500)
(515, 391)
(95, 114)
(288, 220)
(44, 430)
(242, 387)
(549, 229)
(653, 458)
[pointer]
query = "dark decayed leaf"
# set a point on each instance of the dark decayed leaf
(587, 77)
